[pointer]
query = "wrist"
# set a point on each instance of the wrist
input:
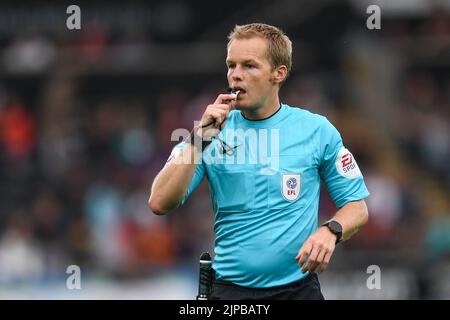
(331, 233)
(198, 141)
(335, 228)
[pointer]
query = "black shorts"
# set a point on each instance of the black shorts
(305, 289)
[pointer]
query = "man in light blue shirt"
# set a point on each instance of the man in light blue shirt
(264, 162)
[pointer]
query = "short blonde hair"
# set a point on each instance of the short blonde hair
(279, 49)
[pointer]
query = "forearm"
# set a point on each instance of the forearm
(352, 217)
(171, 184)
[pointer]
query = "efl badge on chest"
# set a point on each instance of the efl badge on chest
(290, 186)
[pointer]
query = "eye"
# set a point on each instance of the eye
(249, 66)
(231, 66)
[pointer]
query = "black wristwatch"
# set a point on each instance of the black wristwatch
(335, 227)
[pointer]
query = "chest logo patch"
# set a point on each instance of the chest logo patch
(290, 186)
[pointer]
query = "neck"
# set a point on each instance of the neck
(265, 111)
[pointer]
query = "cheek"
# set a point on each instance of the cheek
(262, 81)
(257, 77)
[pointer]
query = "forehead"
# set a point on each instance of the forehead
(244, 49)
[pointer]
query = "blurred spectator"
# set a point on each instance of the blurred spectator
(21, 259)
(103, 208)
(29, 54)
(17, 131)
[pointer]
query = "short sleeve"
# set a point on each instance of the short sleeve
(198, 174)
(338, 168)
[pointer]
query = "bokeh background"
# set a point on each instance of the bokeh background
(86, 118)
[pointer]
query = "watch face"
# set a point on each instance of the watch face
(335, 226)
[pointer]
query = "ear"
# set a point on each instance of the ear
(279, 74)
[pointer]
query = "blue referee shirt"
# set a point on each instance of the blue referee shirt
(264, 178)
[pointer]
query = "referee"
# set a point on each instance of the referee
(264, 161)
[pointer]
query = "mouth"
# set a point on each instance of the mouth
(241, 91)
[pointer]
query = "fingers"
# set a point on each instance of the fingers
(220, 106)
(215, 114)
(311, 260)
(218, 116)
(225, 98)
(304, 253)
(325, 262)
(314, 254)
(318, 260)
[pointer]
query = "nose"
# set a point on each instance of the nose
(236, 74)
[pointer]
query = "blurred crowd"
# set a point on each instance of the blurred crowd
(78, 155)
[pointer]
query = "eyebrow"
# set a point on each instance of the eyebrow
(243, 62)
